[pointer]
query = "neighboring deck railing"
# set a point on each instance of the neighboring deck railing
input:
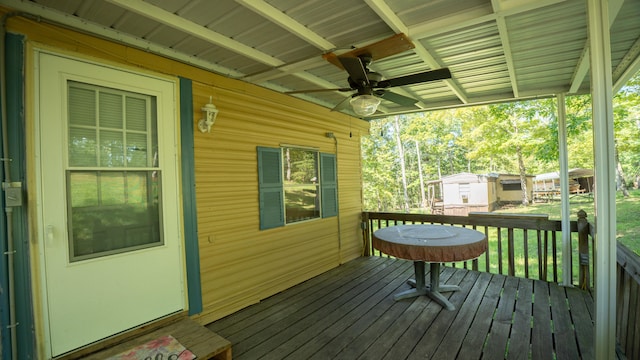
(524, 245)
(628, 302)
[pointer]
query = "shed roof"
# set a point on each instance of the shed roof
(573, 174)
(464, 177)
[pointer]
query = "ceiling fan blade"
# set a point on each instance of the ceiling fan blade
(390, 46)
(342, 104)
(398, 99)
(432, 75)
(317, 90)
(355, 68)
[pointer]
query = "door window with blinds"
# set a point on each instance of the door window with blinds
(113, 176)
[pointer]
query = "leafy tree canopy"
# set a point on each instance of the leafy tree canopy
(500, 138)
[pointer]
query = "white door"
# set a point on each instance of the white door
(108, 200)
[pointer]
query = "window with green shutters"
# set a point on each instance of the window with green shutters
(295, 184)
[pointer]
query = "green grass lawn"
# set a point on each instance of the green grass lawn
(627, 210)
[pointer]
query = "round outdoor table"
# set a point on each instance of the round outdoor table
(434, 244)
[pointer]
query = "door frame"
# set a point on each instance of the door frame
(39, 290)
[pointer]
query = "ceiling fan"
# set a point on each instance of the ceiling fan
(369, 87)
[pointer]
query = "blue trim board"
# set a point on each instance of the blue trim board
(192, 252)
(5, 342)
(15, 112)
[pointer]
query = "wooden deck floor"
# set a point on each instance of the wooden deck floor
(349, 313)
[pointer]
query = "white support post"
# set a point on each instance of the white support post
(605, 187)
(567, 275)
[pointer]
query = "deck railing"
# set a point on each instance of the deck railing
(628, 302)
(530, 246)
(524, 245)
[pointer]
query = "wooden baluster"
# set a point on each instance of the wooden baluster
(542, 255)
(510, 252)
(487, 258)
(525, 236)
(499, 250)
(367, 246)
(554, 250)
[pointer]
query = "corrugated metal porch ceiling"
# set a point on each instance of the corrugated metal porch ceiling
(497, 50)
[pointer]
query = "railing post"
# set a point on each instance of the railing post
(583, 250)
(366, 239)
(511, 253)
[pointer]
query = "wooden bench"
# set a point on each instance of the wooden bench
(204, 343)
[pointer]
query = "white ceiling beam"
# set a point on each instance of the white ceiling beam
(628, 67)
(389, 16)
(581, 70)
(288, 23)
(285, 70)
(449, 23)
(506, 45)
(85, 26)
(475, 16)
(426, 56)
(583, 65)
(300, 96)
(511, 7)
(172, 20)
(315, 80)
(398, 26)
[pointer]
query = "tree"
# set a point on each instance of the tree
(378, 169)
(513, 137)
(508, 133)
(423, 198)
(626, 117)
(401, 160)
(439, 133)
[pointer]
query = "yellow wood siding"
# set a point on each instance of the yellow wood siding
(240, 264)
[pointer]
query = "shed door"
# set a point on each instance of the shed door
(108, 200)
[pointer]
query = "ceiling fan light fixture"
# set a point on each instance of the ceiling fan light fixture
(365, 105)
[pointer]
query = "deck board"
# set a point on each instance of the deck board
(476, 336)
(349, 313)
(435, 335)
(338, 316)
(503, 321)
(541, 336)
(521, 329)
(563, 329)
(402, 348)
(581, 305)
(318, 312)
(465, 317)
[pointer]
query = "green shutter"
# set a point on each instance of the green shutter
(328, 185)
(190, 213)
(15, 82)
(270, 187)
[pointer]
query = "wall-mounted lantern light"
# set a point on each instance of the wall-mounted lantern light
(210, 112)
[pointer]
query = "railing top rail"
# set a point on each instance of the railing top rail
(629, 261)
(520, 222)
(510, 216)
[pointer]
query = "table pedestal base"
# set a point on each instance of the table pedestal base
(432, 290)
